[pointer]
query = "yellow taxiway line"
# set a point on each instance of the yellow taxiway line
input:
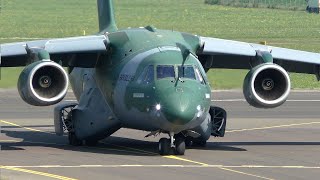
(240, 172)
(219, 167)
(186, 160)
(36, 173)
(13, 124)
(26, 170)
(183, 159)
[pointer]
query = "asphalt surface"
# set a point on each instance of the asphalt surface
(281, 143)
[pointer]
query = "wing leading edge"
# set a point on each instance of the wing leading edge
(240, 55)
(76, 51)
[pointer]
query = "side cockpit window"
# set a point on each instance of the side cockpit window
(165, 71)
(186, 72)
(147, 76)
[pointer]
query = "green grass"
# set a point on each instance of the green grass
(58, 18)
(9, 77)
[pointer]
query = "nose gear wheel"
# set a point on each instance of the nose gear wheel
(167, 147)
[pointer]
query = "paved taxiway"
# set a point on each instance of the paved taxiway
(281, 143)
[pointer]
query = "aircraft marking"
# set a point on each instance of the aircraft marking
(138, 95)
(271, 127)
(126, 77)
(36, 173)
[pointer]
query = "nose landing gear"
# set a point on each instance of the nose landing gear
(175, 145)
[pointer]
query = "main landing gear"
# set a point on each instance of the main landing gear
(64, 123)
(176, 144)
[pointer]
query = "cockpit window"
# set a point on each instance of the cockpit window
(165, 71)
(186, 72)
(147, 75)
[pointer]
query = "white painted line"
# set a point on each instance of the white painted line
(70, 100)
(244, 173)
(131, 165)
(50, 166)
(310, 100)
(229, 100)
(243, 100)
(174, 165)
(272, 127)
(19, 38)
(164, 165)
(292, 90)
(91, 165)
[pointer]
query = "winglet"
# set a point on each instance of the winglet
(107, 21)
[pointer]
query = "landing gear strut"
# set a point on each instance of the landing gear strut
(175, 144)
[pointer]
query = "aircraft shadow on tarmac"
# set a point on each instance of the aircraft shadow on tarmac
(110, 145)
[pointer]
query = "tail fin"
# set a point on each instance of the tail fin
(106, 16)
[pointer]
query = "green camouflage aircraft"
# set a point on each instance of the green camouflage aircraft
(147, 79)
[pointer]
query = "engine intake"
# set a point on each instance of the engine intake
(266, 86)
(43, 83)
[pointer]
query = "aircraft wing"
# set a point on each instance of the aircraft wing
(76, 51)
(240, 55)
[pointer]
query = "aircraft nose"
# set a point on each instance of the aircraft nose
(178, 106)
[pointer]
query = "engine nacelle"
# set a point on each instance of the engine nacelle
(266, 86)
(43, 83)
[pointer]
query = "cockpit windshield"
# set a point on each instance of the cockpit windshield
(165, 71)
(178, 72)
(186, 72)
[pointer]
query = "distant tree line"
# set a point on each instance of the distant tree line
(273, 4)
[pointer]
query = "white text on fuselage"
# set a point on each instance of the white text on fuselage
(126, 77)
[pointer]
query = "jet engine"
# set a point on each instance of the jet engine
(43, 83)
(266, 86)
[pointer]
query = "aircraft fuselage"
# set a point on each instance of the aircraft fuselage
(152, 80)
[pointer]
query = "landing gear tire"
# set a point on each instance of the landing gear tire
(73, 140)
(164, 146)
(180, 146)
(188, 142)
(91, 142)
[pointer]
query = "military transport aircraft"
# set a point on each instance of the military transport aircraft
(147, 79)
